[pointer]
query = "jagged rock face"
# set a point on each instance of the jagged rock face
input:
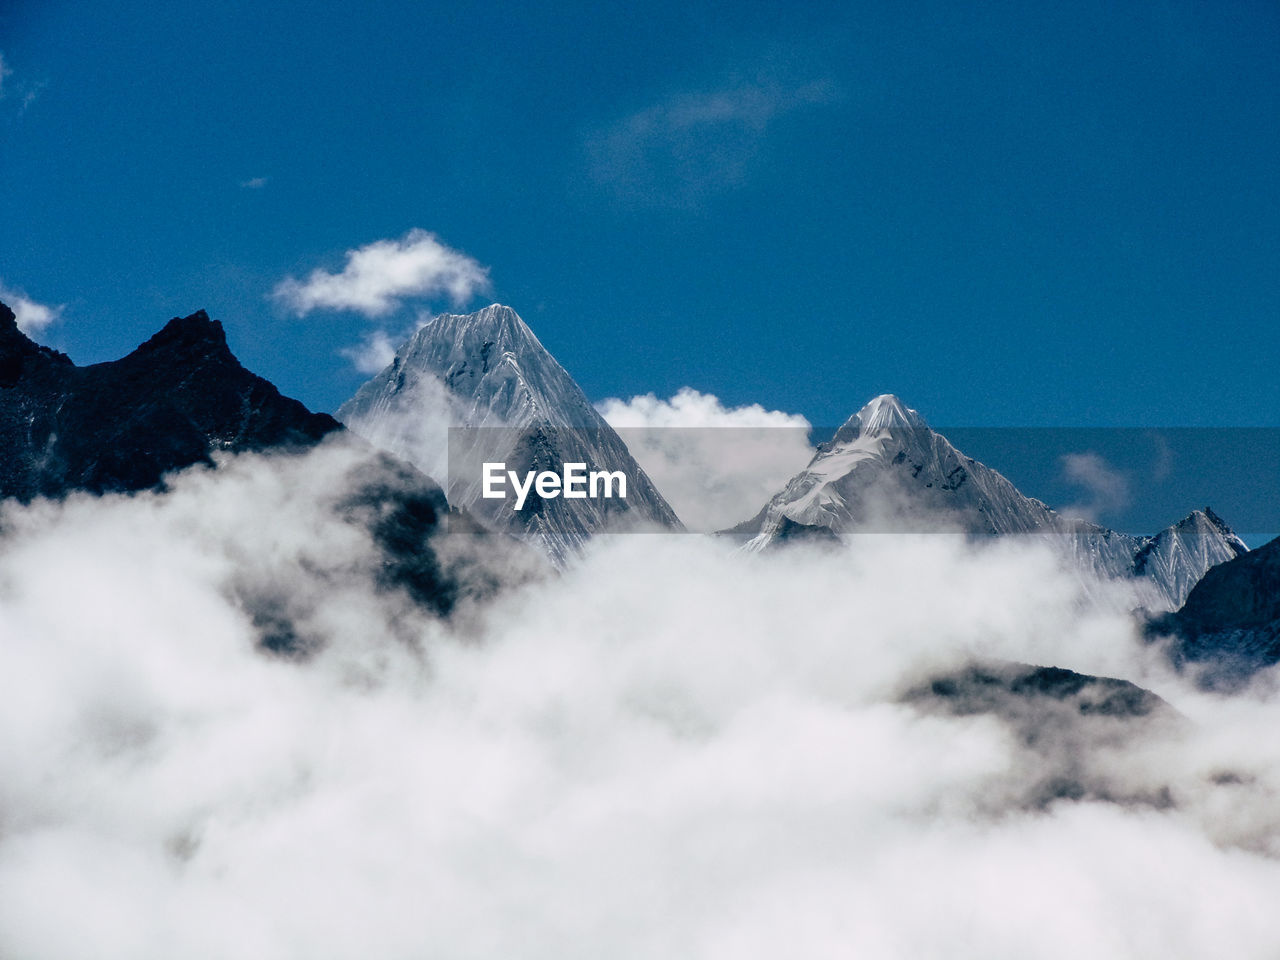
(886, 470)
(122, 425)
(1181, 555)
(486, 371)
(1230, 623)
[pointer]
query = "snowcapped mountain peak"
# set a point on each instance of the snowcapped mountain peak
(496, 324)
(485, 337)
(886, 470)
(1213, 520)
(880, 415)
(488, 370)
(492, 368)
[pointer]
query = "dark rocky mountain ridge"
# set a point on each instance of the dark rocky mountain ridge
(121, 425)
(1229, 627)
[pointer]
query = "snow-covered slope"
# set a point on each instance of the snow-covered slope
(487, 371)
(1179, 556)
(886, 470)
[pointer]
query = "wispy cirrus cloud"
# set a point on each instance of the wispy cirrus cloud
(25, 92)
(698, 142)
(380, 276)
(33, 318)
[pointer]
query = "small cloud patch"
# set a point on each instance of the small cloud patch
(378, 277)
(33, 318)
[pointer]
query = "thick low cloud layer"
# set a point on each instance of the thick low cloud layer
(672, 750)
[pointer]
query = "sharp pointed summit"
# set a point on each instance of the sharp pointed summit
(487, 373)
(887, 470)
(196, 331)
(882, 413)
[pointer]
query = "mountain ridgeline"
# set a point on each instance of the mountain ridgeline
(124, 424)
(175, 402)
(480, 387)
(885, 470)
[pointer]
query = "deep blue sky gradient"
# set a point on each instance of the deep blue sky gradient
(1006, 213)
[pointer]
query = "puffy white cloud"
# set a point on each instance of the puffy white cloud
(692, 408)
(715, 465)
(33, 318)
(673, 749)
(379, 275)
(254, 183)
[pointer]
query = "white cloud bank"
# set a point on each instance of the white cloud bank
(715, 465)
(379, 276)
(33, 318)
(673, 750)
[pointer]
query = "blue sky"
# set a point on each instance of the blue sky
(1006, 213)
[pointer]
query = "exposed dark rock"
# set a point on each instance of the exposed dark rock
(1229, 628)
(789, 532)
(124, 424)
(1003, 689)
(1070, 727)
